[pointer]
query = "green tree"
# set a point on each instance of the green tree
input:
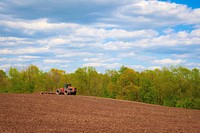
(31, 75)
(5, 83)
(82, 84)
(16, 80)
(147, 90)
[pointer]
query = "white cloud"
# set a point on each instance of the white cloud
(105, 25)
(112, 65)
(196, 33)
(168, 62)
(169, 31)
(14, 41)
(68, 53)
(64, 66)
(172, 39)
(184, 56)
(54, 61)
(94, 64)
(6, 67)
(36, 25)
(99, 35)
(105, 65)
(10, 39)
(114, 39)
(5, 51)
(30, 57)
(154, 14)
(26, 50)
(2, 59)
(193, 65)
(126, 54)
(11, 60)
(109, 37)
(100, 59)
(53, 41)
(115, 45)
(87, 36)
(120, 34)
(138, 67)
(153, 67)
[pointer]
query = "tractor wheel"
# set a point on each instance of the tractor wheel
(66, 93)
(57, 92)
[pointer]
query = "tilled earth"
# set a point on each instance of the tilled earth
(56, 113)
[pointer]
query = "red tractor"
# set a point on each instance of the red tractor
(67, 90)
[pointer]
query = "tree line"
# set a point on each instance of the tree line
(173, 86)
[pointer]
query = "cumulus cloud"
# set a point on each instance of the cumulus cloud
(168, 62)
(74, 54)
(155, 14)
(193, 65)
(38, 25)
(54, 61)
(100, 59)
(153, 67)
(14, 41)
(126, 54)
(183, 56)
(27, 50)
(105, 65)
(115, 33)
(30, 57)
(105, 34)
(138, 67)
(6, 67)
(5, 51)
(13, 60)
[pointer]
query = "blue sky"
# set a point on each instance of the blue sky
(105, 34)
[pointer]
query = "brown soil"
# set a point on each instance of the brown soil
(54, 113)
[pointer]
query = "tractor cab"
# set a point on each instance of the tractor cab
(67, 86)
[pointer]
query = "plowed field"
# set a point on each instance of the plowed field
(54, 113)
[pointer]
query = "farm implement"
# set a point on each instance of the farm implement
(66, 90)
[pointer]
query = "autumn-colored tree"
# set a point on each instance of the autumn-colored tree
(128, 84)
(55, 78)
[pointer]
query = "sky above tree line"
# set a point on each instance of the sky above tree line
(105, 34)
